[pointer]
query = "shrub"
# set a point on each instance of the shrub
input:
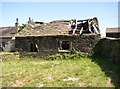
(55, 57)
(66, 56)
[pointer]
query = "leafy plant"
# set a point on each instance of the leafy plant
(21, 27)
(65, 56)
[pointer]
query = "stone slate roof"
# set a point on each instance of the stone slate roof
(58, 27)
(113, 30)
(9, 31)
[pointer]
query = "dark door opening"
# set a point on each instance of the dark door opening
(65, 45)
(33, 48)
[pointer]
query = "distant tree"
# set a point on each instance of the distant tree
(21, 27)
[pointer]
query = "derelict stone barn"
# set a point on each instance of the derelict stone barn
(60, 36)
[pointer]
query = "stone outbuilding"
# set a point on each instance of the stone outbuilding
(113, 32)
(7, 37)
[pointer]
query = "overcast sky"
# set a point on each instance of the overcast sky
(106, 12)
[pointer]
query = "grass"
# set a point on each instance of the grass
(34, 72)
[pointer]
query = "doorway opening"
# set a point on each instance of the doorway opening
(33, 47)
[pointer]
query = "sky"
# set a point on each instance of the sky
(106, 12)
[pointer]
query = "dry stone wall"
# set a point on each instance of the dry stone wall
(108, 49)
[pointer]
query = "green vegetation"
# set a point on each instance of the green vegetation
(76, 55)
(81, 72)
(21, 27)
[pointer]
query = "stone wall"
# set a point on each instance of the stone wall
(115, 35)
(48, 45)
(108, 49)
(9, 44)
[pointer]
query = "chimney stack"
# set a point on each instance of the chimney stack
(29, 20)
(16, 24)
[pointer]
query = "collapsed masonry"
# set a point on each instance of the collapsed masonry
(58, 36)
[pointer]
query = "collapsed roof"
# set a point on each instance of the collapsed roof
(58, 27)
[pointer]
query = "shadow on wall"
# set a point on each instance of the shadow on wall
(107, 56)
(10, 46)
(108, 49)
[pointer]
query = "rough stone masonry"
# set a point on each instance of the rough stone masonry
(43, 39)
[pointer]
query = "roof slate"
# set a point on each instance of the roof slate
(113, 30)
(9, 31)
(59, 27)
